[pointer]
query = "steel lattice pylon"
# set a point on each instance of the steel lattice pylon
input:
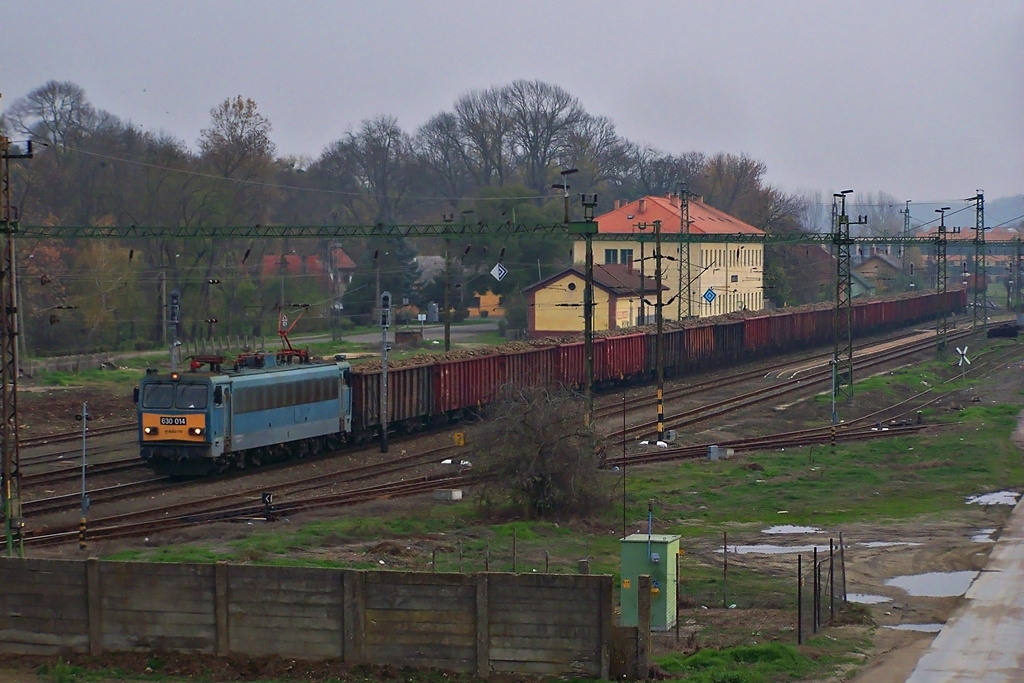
(842, 320)
(10, 474)
(980, 279)
(941, 323)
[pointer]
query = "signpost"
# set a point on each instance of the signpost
(963, 363)
(499, 272)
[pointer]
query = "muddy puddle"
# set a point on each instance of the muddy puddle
(925, 628)
(934, 584)
(995, 498)
(867, 598)
(791, 529)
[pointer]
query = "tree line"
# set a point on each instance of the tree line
(493, 156)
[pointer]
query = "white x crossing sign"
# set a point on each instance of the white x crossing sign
(963, 356)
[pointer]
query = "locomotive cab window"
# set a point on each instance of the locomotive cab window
(158, 396)
(191, 396)
(218, 396)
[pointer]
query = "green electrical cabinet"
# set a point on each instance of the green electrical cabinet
(655, 555)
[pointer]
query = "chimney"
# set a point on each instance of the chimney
(629, 263)
(642, 205)
(618, 203)
(674, 200)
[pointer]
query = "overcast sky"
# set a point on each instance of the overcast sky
(921, 99)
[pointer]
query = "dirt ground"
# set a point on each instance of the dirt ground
(940, 544)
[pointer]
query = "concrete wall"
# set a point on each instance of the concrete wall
(480, 623)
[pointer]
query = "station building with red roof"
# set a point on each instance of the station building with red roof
(723, 276)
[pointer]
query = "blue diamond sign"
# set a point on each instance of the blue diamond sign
(710, 295)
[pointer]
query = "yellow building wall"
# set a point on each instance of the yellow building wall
(734, 272)
(490, 302)
(550, 316)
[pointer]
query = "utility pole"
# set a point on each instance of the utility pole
(1016, 277)
(385, 322)
(941, 324)
(10, 476)
(903, 247)
(842, 319)
(447, 218)
(659, 341)
(589, 202)
(980, 279)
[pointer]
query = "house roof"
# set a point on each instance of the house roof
(1001, 234)
(704, 219)
(295, 264)
(616, 278)
(883, 258)
(342, 261)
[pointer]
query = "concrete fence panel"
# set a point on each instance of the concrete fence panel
(480, 623)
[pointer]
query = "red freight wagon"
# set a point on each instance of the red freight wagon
(572, 366)
(757, 335)
(536, 367)
(623, 356)
(673, 352)
(467, 383)
(700, 346)
(409, 396)
(728, 340)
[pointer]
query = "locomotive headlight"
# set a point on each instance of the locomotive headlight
(198, 431)
(149, 430)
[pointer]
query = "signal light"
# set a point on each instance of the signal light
(174, 377)
(213, 281)
(210, 320)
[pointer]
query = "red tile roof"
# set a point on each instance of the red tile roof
(704, 219)
(617, 278)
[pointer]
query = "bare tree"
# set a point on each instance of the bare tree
(537, 457)
(377, 160)
(542, 117)
(485, 126)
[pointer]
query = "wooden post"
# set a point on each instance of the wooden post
(725, 570)
(842, 563)
(643, 626)
(831, 583)
(799, 600)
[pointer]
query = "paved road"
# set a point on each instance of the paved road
(984, 640)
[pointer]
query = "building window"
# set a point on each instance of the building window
(735, 278)
(611, 255)
(625, 256)
(572, 286)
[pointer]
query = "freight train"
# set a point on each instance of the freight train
(266, 407)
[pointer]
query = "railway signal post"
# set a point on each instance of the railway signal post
(84, 418)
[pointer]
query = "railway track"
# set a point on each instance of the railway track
(197, 508)
(63, 437)
(801, 380)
